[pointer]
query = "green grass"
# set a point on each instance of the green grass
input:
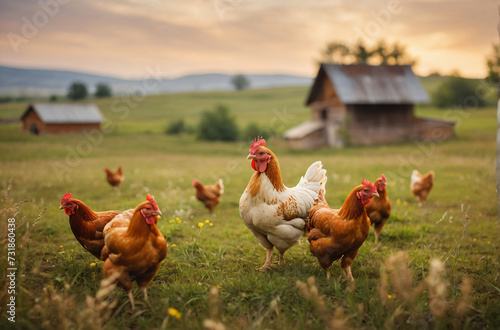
(459, 225)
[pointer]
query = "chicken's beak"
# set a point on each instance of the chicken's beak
(62, 207)
(250, 156)
(376, 194)
(157, 213)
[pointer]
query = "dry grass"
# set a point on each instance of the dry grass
(331, 319)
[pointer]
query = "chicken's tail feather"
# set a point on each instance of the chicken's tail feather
(320, 199)
(315, 177)
(221, 185)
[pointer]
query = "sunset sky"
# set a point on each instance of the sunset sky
(123, 38)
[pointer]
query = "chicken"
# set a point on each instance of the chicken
(114, 178)
(209, 195)
(275, 214)
(379, 209)
(87, 225)
(134, 247)
(335, 234)
(421, 185)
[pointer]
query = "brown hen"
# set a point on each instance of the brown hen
(336, 234)
(379, 208)
(209, 195)
(114, 178)
(134, 247)
(87, 225)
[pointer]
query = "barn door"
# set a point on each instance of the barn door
(34, 129)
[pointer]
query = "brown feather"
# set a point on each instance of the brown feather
(87, 226)
(209, 195)
(336, 234)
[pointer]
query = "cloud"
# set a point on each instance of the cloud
(123, 37)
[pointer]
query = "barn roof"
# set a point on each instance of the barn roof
(368, 84)
(303, 130)
(66, 113)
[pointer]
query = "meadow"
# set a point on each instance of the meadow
(437, 265)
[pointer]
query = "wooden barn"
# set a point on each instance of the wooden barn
(365, 105)
(60, 118)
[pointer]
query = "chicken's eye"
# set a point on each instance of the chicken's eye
(261, 153)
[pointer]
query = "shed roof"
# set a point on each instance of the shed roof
(368, 84)
(303, 130)
(66, 113)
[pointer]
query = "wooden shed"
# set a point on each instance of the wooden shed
(60, 118)
(365, 105)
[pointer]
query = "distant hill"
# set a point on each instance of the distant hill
(40, 82)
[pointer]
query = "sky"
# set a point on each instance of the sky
(123, 38)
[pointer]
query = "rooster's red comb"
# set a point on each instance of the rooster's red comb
(151, 199)
(258, 142)
(384, 180)
(66, 197)
(369, 185)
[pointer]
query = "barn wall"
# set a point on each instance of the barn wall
(311, 141)
(433, 130)
(32, 118)
(330, 101)
(70, 128)
(378, 124)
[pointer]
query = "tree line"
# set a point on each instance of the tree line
(78, 91)
(337, 52)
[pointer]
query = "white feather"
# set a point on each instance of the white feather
(262, 215)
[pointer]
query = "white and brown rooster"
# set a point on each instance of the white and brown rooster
(275, 214)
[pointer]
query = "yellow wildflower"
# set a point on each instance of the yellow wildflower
(61, 246)
(179, 221)
(207, 221)
(211, 224)
(475, 239)
(405, 203)
(398, 201)
(489, 242)
(177, 218)
(200, 224)
(174, 313)
(71, 250)
(389, 296)
(92, 264)
(173, 245)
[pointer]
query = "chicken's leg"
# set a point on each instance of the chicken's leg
(267, 264)
(131, 298)
(348, 273)
(144, 290)
(347, 261)
(282, 258)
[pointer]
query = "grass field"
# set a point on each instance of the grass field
(57, 280)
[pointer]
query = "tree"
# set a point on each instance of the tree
(253, 130)
(399, 56)
(77, 91)
(218, 125)
(493, 65)
(176, 127)
(382, 52)
(457, 92)
(336, 53)
(103, 90)
(361, 53)
(240, 82)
